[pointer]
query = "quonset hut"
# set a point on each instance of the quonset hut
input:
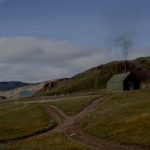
(123, 82)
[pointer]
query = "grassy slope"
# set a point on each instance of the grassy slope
(19, 120)
(53, 141)
(97, 77)
(125, 118)
(25, 119)
(73, 106)
(24, 114)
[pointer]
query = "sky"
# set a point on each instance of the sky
(48, 39)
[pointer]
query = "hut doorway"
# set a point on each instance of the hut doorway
(130, 86)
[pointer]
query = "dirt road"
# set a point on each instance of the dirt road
(68, 126)
(70, 129)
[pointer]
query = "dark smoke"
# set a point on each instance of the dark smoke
(125, 42)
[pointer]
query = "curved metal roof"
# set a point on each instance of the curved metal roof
(119, 77)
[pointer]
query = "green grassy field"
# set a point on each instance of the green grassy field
(53, 141)
(74, 105)
(18, 120)
(125, 118)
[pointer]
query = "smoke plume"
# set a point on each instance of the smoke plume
(125, 42)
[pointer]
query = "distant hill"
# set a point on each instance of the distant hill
(97, 77)
(15, 93)
(6, 86)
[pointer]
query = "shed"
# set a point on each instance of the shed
(3, 97)
(25, 93)
(123, 82)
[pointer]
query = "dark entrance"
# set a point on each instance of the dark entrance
(131, 83)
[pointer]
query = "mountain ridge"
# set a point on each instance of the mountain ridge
(10, 85)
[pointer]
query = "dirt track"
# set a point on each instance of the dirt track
(68, 126)
(70, 129)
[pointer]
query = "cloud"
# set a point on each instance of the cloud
(35, 59)
(94, 59)
(22, 49)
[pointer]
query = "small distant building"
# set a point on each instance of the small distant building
(25, 93)
(123, 82)
(3, 97)
(52, 84)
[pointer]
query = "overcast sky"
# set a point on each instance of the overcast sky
(49, 39)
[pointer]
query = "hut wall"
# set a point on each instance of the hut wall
(118, 86)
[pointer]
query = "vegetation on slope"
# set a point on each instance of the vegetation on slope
(19, 120)
(39, 119)
(96, 78)
(70, 105)
(53, 141)
(73, 106)
(125, 118)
